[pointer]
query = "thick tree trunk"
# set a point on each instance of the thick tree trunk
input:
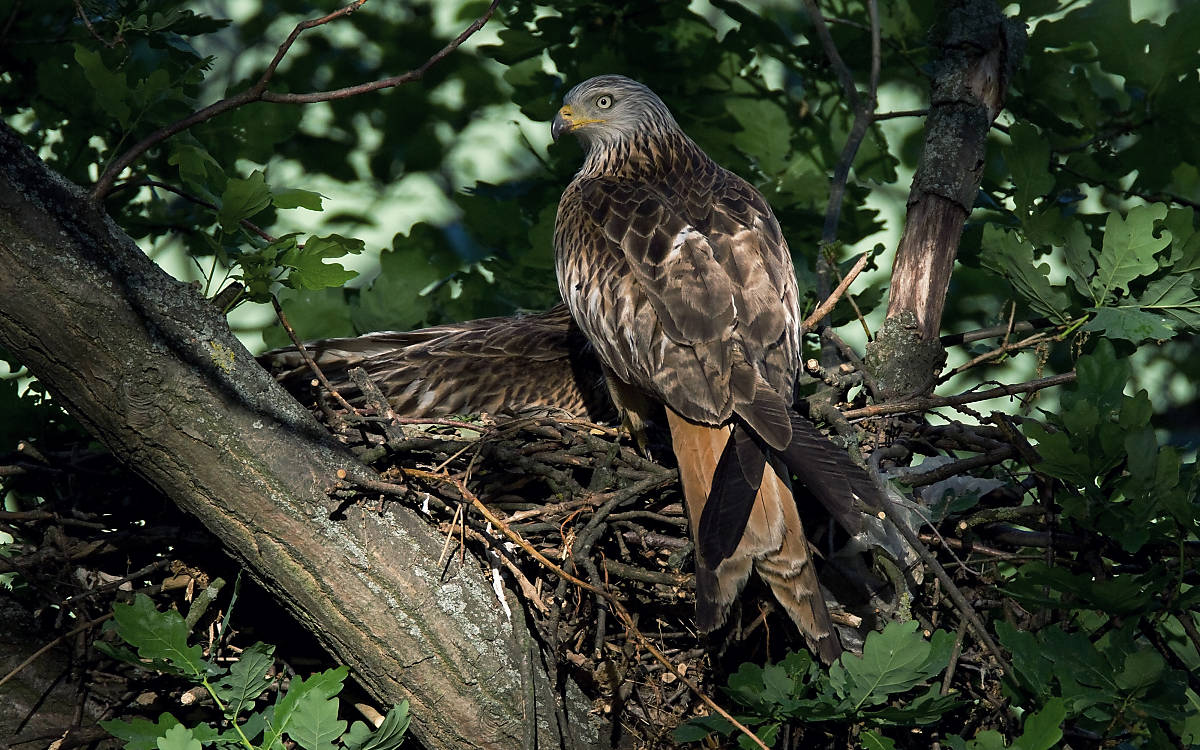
(152, 370)
(979, 48)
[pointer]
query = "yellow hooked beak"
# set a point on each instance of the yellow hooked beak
(566, 122)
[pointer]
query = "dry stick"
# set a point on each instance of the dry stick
(831, 301)
(933, 402)
(88, 23)
(955, 653)
(308, 360)
(258, 92)
(962, 466)
(901, 113)
(956, 596)
(37, 654)
(999, 351)
(116, 583)
(527, 587)
(1023, 326)
(616, 606)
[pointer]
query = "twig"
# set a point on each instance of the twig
(945, 471)
(258, 92)
(156, 565)
(41, 515)
(831, 301)
(1023, 326)
(527, 588)
(933, 402)
(648, 576)
(308, 360)
(1160, 197)
(194, 199)
(88, 24)
(831, 51)
(1037, 338)
(863, 113)
(901, 113)
(37, 654)
(955, 653)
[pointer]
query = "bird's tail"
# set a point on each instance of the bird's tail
(743, 516)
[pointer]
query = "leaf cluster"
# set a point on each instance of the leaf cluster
(305, 714)
(862, 689)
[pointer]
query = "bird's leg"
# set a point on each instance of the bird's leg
(633, 406)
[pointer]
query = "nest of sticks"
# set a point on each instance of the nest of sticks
(594, 537)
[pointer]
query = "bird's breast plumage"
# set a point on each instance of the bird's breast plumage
(676, 269)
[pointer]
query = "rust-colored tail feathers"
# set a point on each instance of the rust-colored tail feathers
(773, 542)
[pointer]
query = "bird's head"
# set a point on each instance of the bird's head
(609, 109)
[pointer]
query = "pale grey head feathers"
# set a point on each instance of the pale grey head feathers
(609, 109)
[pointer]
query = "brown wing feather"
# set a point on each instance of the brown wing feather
(484, 365)
(699, 311)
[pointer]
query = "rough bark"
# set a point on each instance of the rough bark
(153, 371)
(978, 49)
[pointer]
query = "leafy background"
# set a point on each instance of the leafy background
(435, 201)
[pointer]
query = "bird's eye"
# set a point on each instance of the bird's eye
(604, 102)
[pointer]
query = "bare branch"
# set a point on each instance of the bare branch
(308, 357)
(830, 302)
(933, 402)
(258, 92)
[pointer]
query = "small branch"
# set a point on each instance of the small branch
(88, 24)
(194, 199)
(308, 360)
(648, 576)
(964, 466)
(831, 51)
(258, 92)
(863, 109)
(41, 515)
(1160, 197)
(37, 654)
(988, 356)
(831, 301)
(960, 602)
(111, 585)
(933, 402)
(955, 653)
(901, 113)
(1023, 326)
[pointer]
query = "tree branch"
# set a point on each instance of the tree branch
(933, 402)
(258, 92)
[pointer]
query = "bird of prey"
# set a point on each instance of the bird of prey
(485, 365)
(678, 274)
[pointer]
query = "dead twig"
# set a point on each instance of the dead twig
(308, 360)
(38, 654)
(831, 301)
(933, 402)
